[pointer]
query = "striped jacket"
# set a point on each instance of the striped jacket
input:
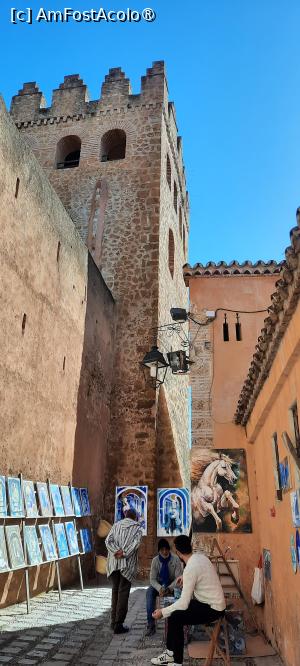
(124, 535)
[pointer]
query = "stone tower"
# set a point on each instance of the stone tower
(116, 164)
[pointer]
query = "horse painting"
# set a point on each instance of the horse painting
(219, 486)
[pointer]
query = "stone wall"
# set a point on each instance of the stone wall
(50, 309)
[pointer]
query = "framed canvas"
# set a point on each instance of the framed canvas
(32, 546)
(15, 548)
(132, 497)
(85, 503)
(44, 499)
(285, 474)
(56, 500)
(173, 511)
(295, 507)
(61, 540)
(72, 538)
(16, 508)
(86, 540)
(220, 495)
(48, 543)
(267, 564)
(67, 500)
(4, 565)
(30, 499)
(76, 501)
(3, 497)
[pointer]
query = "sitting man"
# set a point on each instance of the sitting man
(201, 602)
(165, 569)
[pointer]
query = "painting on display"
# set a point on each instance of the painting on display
(56, 500)
(293, 553)
(67, 500)
(76, 501)
(48, 543)
(173, 511)
(132, 497)
(61, 540)
(16, 508)
(295, 506)
(85, 502)
(72, 538)
(4, 565)
(267, 564)
(33, 550)
(285, 474)
(3, 498)
(298, 547)
(30, 499)
(220, 494)
(15, 548)
(86, 540)
(44, 499)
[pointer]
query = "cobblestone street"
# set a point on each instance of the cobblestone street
(77, 631)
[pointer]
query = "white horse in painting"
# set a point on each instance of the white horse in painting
(208, 496)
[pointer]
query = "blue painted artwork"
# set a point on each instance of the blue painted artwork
(295, 506)
(61, 540)
(132, 497)
(33, 550)
(67, 500)
(76, 501)
(29, 499)
(15, 548)
(48, 543)
(298, 547)
(86, 540)
(56, 500)
(173, 511)
(284, 474)
(72, 538)
(44, 499)
(3, 498)
(4, 565)
(85, 503)
(293, 553)
(16, 508)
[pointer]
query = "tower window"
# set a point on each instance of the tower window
(175, 197)
(171, 252)
(180, 222)
(169, 173)
(68, 152)
(225, 329)
(113, 146)
(183, 241)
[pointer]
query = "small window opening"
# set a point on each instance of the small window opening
(68, 152)
(24, 323)
(238, 329)
(180, 222)
(294, 411)
(113, 145)
(64, 363)
(17, 188)
(169, 173)
(276, 466)
(171, 252)
(58, 251)
(175, 197)
(225, 329)
(183, 241)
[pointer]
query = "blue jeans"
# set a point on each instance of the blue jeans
(151, 595)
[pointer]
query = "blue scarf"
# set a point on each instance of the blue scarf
(164, 576)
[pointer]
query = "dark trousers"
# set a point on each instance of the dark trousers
(151, 595)
(196, 613)
(119, 599)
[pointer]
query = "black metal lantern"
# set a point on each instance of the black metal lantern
(156, 363)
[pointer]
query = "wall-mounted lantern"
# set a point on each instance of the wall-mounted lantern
(154, 366)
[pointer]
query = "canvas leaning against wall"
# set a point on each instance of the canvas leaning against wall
(132, 497)
(173, 511)
(220, 494)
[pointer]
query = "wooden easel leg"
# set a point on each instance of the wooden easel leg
(58, 580)
(80, 573)
(27, 590)
(227, 653)
(212, 645)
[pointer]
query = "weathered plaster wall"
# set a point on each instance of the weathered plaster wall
(271, 415)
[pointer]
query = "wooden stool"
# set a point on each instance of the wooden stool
(213, 630)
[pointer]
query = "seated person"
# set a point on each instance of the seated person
(165, 569)
(201, 602)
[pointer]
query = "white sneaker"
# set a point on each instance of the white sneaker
(163, 658)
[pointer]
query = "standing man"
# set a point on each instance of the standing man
(202, 601)
(165, 569)
(122, 544)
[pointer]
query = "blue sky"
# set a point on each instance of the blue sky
(233, 72)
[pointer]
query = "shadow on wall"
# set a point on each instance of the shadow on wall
(93, 400)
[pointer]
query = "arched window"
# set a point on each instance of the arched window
(169, 174)
(113, 145)
(171, 252)
(180, 222)
(175, 197)
(68, 152)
